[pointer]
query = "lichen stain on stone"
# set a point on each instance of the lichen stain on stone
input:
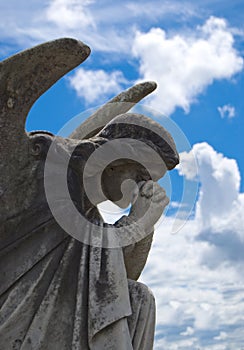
(10, 103)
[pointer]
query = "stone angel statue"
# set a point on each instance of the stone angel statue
(60, 289)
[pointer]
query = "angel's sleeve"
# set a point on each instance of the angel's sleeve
(136, 253)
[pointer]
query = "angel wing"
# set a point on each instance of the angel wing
(121, 103)
(24, 77)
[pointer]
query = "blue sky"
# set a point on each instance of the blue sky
(194, 51)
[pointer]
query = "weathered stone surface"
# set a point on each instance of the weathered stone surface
(121, 103)
(23, 78)
(58, 292)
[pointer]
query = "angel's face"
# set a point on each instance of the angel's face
(119, 181)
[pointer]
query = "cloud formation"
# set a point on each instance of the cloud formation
(184, 65)
(196, 274)
(95, 85)
(70, 14)
(220, 185)
(195, 302)
(106, 27)
(227, 111)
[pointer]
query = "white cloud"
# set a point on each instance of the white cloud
(156, 9)
(30, 23)
(221, 336)
(227, 111)
(220, 185)
(70, 14)
(184, 65)
(188, 165)
(219, 209)
(188, 331)
(197, 274)
(192, 299)
(110, 212)
(105, 26)
(95, 85)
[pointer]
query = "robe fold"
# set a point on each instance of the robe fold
(58, 293)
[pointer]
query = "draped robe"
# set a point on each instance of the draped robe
(59, 293)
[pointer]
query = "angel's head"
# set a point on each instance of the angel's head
(120, 179)
(142, 150)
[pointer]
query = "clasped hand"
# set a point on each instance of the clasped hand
(149, 204)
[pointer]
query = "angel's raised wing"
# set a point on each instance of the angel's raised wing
(121, 103)
(24, 77)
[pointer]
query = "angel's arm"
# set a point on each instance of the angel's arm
(144, 214)
(135, 256)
